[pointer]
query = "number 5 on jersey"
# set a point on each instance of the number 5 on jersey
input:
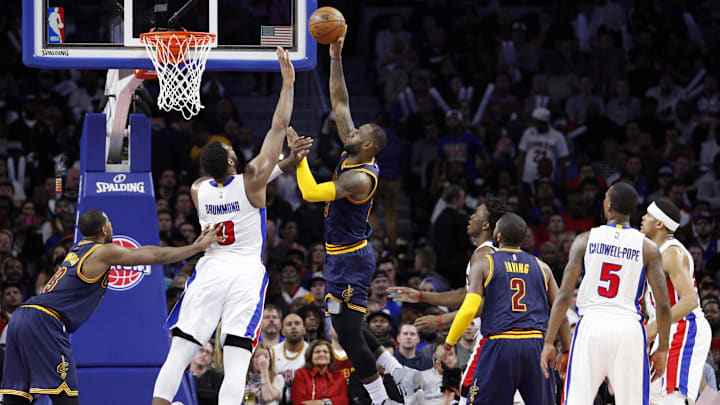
(607, 273)
(226, 230)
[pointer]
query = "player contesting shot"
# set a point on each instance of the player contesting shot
(38, 354)
(609, 339)
(349, 260)
(230, 281)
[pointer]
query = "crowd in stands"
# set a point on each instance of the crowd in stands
(543, 109)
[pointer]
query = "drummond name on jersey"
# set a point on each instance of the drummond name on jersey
(614, 251)
(221, 209)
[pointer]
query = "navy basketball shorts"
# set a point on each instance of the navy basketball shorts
(38, 355)
(348, 276)
(506, 365)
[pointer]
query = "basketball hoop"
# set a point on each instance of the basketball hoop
(179, 58)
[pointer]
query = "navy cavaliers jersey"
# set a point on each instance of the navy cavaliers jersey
(69, 293)
(347, 220)
(515, 293)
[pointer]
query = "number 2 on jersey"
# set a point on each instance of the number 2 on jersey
(518, 285)
(226, 230)
(607, 273)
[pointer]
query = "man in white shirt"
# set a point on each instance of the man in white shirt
(540, 141)
(667, 93)
(432, 377)
(289, 355)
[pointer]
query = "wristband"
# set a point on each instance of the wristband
(565, 352)
(420, 298)
(334, 58)
(439, 320)
(447, 346)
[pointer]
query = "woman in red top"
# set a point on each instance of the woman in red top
(318, 383)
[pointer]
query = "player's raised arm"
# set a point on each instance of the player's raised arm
(552, 292)
(110, 254)
(352, 183)
(562, 300)
(657, 280)
(338, 90)
(259, 169)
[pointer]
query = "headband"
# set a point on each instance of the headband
(663, 217)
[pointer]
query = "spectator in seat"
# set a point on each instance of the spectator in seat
(317, 288)
(578, 107)
(289, 355)
(540, 141)
(466, 344)
(318, 380)
(379, 323)
(407, 353)
(709, 186)
(378, 292)
(450, 239)
(207, 379)
(433, 377)
(667, 93)
(710, 245)
(460, 146)
(291, 284)
(623, 107)
(271, 325)
(263, 384)
(314, 321)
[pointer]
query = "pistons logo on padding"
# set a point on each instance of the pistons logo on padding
(123, 278)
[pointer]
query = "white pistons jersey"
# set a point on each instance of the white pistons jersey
(613, 277)
(226, 207)
(672, 292)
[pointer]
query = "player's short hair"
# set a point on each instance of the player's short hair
(623, 198)
(214, 159)
(513, 229)
(378, 136)
(91, 223)
(669, 208)
(496, 209)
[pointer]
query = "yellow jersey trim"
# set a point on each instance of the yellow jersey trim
(47, 310)
(347, 166)
(18, 393)
(84, 242)
(340, 249)
(349, 305)
(518, 334)
(509, 250)
(54, 391)
(79, 267)
(544, 273)
(372, 193)
(492, 270)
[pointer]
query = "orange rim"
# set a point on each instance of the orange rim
(175, 41)
(145, 74)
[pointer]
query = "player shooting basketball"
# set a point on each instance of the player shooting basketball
(349, 260)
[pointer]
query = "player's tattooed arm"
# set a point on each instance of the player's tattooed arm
(353, 184)
(656, 278)
(338, 90)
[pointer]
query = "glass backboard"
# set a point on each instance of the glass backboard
(105, 34)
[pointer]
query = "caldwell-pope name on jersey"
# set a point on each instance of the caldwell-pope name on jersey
(614, 251)
(138, 187)
(220, 209)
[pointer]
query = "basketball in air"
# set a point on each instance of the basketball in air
(326, 25)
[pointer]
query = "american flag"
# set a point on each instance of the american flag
(271, 35)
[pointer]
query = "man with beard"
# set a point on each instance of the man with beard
(350, 260)
(37, 335)
(379, 324)
(270, 327)
(290, 354)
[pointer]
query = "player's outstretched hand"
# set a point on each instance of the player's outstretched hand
(404, 294)
(207, 237)
(337, 46)
(299, 146)
(286, 67)
(427, 323)
(658, 361)
(561, 365)
(547, 359)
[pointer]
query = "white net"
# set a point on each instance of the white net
(179, 59)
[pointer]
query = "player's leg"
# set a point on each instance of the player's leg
(533, 386)
(694, 356)
(470, 371)
(493, 383)
(241, 318)
(348, 326)
(16, 370)
(587, 365)
(628, 369)
(192, 322)
(410, 380)
(64, 399)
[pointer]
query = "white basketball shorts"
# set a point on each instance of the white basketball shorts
(227, 288)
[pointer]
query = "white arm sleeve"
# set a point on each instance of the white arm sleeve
(277, 171)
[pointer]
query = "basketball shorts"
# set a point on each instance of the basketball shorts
(348, 276)
(38, 355)
(507, 365)
(689, 346)
(608, 346)
(226, 288)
